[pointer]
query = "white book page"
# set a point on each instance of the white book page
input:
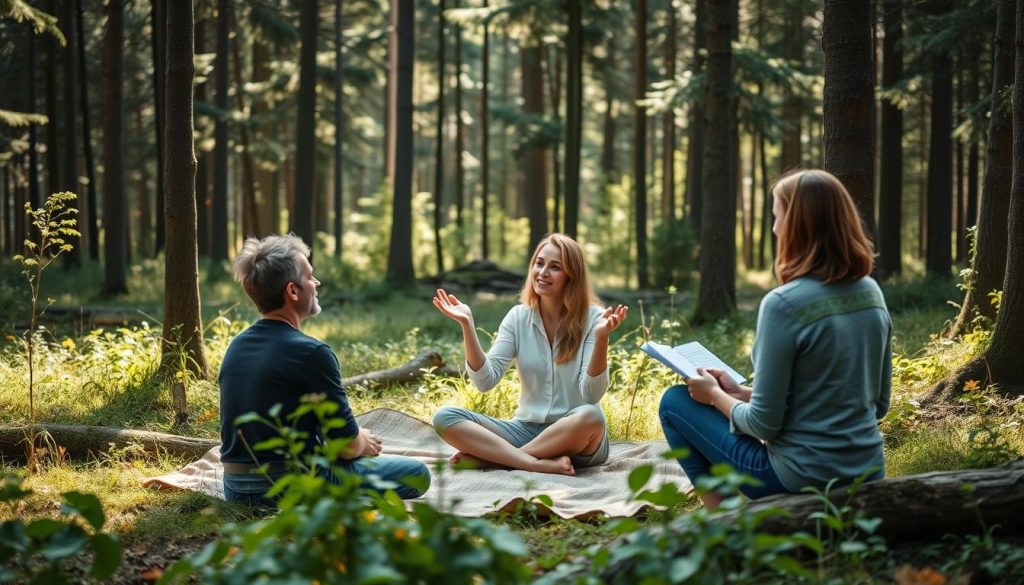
(673, 359)
(695, 353)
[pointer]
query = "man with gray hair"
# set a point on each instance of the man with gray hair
(272, 363)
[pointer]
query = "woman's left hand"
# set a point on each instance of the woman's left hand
(703, 387)
(610, 320)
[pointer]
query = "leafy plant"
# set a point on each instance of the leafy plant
(849, 534)
(50, 225)
(342, 533)
(37, 552)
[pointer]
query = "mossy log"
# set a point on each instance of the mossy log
(83, 440)
(912, 508)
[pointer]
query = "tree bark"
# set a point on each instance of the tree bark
(938, 256)
(400, 267)
(534, 185)
(792, 104)
(989, 264)
(203, 201)
(305, 138)
(485, 140)
(72, 259)
(553, 68)
(219, 209)
(848, 142)
(159, 24)
(640, 145)
(115, 210)
(82, 441)
(34, 193)
(92, 228)
(695, 126)
(890, 214)
(460, 139)
(250, 207)
(573, 115)
(339, 126)
(183, 327)
(717, 293)
(53, 150)
(668, 122)
(442, 80)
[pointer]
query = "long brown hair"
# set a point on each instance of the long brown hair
(820, 233)
(577, 295)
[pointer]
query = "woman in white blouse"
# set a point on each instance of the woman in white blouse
(558, 337)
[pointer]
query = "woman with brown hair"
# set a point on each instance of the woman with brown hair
(558, 337)
(822, 360)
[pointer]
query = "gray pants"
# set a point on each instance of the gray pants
(518, 432)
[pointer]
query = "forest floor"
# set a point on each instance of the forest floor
(92, 374)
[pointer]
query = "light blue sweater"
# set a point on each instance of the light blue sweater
(823, 375)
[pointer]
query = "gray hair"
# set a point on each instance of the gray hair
(266, 266)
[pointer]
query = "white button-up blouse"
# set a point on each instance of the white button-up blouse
(547, 390)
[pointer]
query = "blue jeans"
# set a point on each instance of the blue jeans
(252, 488)
(705, 433)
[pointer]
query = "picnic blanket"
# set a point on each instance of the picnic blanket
(592, 491)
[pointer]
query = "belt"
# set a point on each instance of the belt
(253, 468)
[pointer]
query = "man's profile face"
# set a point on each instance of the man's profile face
(308, 304)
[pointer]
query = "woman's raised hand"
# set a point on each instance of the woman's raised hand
(610, 320)
(453, 308)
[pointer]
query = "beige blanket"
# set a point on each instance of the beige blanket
(592, 491)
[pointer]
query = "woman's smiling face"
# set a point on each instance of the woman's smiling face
(549, 276)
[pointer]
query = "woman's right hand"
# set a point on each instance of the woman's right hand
(453, 308)
(731, 387)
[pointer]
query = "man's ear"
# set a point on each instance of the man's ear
(291, 291)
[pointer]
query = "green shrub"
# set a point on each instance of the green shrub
(342, 533)
(38, 551)
(673, 254)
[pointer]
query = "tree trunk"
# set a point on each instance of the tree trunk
(609, 126)
(92, 228)
(80, 441)
(668, 122)
(890, 202)
(989, 263)
(1001, 363)
(573, 116)
(696, 123)
(717, 293)
(485, 141)
(929, 505)
(442, 80)
(219, 225)
(400, 267)
(339, 126)
(159, 24)
(34, 194)
(971, 208)
(72, 259)
(460, 174)
(640, 145)
(534, 184)
(145, 224)
(938, 256)
(553, 66)
(792, 104)
(504, 199)
(305, 138)
(183, 327)
(250, 208)
(115, 210)
(203, 201)
(848, 142)
(55, 181)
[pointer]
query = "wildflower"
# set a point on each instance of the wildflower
(68, 343)
(971, 385)
(369, 515)
(401, 533)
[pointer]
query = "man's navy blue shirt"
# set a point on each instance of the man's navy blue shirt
(271, 363)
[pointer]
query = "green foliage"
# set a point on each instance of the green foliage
(22, 11)
(993, 423)
(39, 550)
(342, 533)
(694, 547)
(848, 535)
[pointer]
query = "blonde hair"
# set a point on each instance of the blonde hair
(577, 295)
(820, 233)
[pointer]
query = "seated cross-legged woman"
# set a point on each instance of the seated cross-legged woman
(558, 337)
(822, 360)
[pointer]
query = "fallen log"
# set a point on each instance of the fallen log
(920, 507)
(82, 440)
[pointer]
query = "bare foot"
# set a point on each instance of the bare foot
(559, 465)
(464, 460)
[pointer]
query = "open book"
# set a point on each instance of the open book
(686, 358)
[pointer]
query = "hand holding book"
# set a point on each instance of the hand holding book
(685, 359)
